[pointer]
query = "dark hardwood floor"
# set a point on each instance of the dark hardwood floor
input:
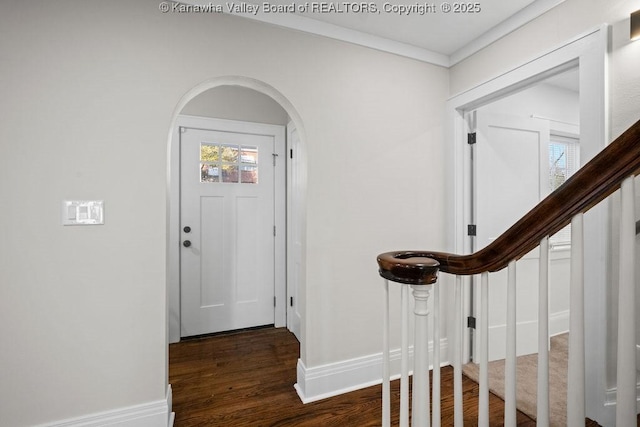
(246, 379)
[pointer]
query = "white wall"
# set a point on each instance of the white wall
(237, 103)
(88, 93)
(560, 105)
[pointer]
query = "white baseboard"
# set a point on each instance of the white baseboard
(611, 399)
(151, 414)
(607, 414)
(498, 340)
(172, 415)
(325, 381)
(558, 323)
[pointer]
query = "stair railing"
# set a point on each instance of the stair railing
(613, 168)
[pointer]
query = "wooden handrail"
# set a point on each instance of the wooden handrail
(596, 180)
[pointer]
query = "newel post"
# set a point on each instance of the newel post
(421, 398)
(418, 270)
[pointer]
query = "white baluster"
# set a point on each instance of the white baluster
(458, 419)
(626, 385)
(436, 357)
(404, 361)
(420, 409)
(386, 377)
(483, 397)
(542, 416)
(576, 374)
(510, 360)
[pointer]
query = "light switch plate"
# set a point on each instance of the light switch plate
(82, 212)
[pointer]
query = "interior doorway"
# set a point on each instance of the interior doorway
(231, 100)
(587, 52)
(526, 145)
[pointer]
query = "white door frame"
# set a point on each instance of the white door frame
(588, 52)
(294, 234)
(279, 191)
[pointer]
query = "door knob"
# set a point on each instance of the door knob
(186, 243)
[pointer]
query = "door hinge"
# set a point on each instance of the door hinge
(291, 301)
(291, 153)
(274, 231)
(471, 322)
(275, 156)
(274, 301)
(471, 230)
(471, 138)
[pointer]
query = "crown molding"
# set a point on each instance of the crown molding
(321, 28)
(509, 25)
(332, 31)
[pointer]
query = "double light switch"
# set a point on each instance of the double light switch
(82, 212)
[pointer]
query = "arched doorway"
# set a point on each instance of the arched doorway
(295, 188)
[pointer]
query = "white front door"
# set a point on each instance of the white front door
(510, 158)
(227, 231)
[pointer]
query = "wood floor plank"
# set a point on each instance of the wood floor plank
(246, 379)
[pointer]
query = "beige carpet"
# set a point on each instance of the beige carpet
(527, 379)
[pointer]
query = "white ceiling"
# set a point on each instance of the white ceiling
(436, 31)
(435, 37)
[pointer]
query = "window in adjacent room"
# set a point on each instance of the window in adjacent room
(564, 161)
